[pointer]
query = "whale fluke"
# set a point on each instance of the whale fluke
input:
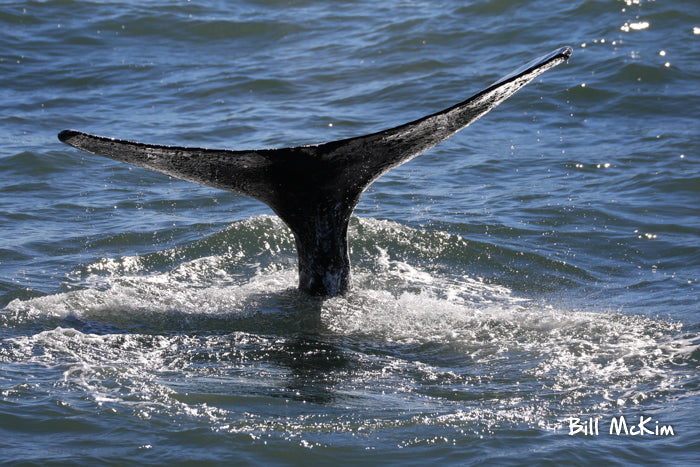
(314, 189)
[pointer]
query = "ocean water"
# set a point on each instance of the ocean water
(539, 267)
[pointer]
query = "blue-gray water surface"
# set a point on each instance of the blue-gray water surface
(539, 267)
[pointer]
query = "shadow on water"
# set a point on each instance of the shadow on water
(314, 366)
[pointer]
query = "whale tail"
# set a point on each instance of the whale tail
(314, 189)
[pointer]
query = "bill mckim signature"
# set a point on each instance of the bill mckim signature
(618, 426)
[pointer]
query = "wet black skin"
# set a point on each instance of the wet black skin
(314, 189)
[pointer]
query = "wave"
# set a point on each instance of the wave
(133, 326)
(217, 273)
